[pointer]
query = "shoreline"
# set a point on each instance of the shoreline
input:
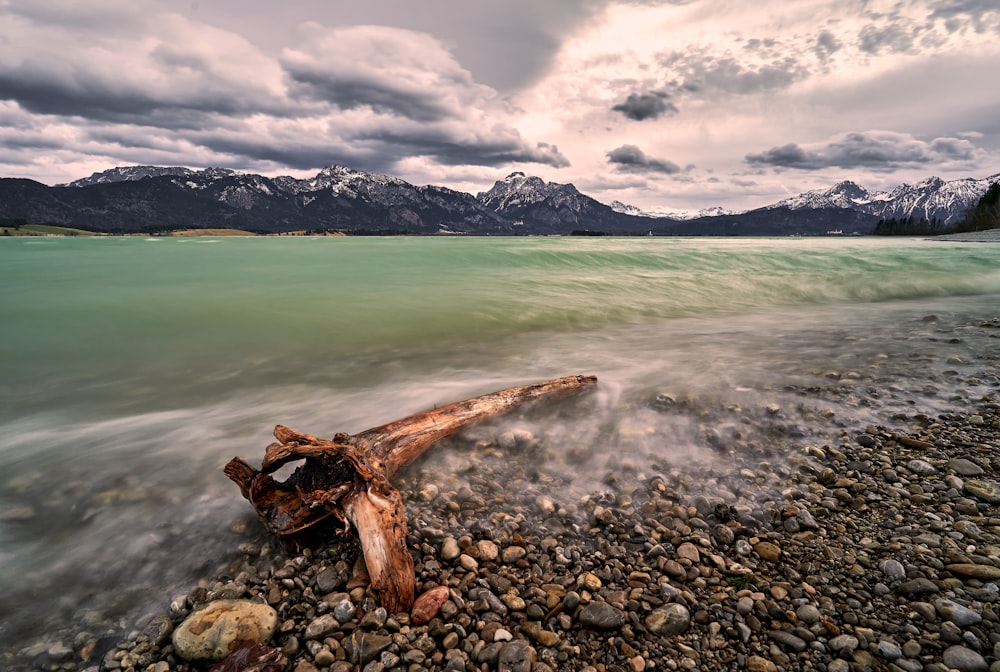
(880, 551)
(988, 236)
(824, 520)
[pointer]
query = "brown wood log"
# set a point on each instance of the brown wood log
(345, 482)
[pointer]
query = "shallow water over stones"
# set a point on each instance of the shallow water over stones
(799, 539)
(895, 574)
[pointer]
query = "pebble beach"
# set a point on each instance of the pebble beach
(876, 549)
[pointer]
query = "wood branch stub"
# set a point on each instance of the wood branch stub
(347, 480)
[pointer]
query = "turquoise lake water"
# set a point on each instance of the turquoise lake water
(133, 368)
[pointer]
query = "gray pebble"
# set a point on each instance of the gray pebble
(964, 660)
(601, 616)
(921, 467)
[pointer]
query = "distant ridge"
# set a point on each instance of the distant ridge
(338, 198)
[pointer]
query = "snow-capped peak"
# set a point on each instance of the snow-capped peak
(518, 189)
(670, 213)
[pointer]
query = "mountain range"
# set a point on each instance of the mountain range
(151, 199)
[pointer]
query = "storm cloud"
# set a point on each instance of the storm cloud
(874, 150)
(631, 159)
(642, 106)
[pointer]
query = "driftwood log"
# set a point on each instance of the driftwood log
(344, 483)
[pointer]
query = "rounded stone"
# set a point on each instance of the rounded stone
(767, 551)
(888, 650)
(322, 626)
(893, 569)
(512, 554)
(808, 614)
(344, 611)
(921, 467)
(689, 551)
(760, 664)
(956, 613)
(964, 467)
(724, 534)
(212, 632)
(449, 549)
(672, 619)
(844, 646)
(964, 659)
(488, 551)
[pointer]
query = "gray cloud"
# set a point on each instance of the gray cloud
(389, 70)
(179, 91)
(959, 15)
(507, 45)
(698, 70)
(448, 149)
(827, 44)
(642, 106)
(874, 150)
(631, 159)
(894, 37)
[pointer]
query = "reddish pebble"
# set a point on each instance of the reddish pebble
(428, 605)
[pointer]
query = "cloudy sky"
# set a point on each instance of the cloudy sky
(679, 104)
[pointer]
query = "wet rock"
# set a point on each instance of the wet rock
(212, 632)
(158, 631)
(601, 616)
(724, 535)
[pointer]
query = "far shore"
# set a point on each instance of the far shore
(988, 236)
(48, 231)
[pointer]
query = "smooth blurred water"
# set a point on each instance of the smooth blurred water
(133, 369)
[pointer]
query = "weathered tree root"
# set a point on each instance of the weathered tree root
(346, 481)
